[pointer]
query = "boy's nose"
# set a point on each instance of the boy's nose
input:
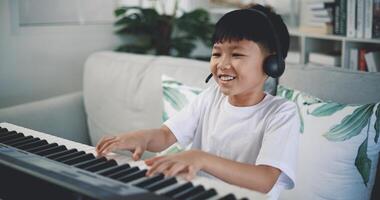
(223, 66)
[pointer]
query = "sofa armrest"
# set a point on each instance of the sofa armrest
(62, 116)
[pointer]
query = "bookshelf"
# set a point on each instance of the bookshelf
(303, 43)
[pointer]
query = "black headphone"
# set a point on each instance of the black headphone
(274, 65)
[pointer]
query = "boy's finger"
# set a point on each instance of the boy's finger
(151, 161)
(103, 151)
(175, 169)
(137, 153)
(103, 140)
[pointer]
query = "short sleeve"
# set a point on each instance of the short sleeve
(280, 143)
(184, 124)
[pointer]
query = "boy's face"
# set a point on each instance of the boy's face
(237, 67)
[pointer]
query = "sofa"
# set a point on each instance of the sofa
(123, 92)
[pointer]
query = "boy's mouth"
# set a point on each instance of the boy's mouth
(226, 77)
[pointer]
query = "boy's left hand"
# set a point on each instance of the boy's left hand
(186, 163)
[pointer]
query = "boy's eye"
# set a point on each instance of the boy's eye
(215, 54)
(237, 55)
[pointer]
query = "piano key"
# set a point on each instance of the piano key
(58, 154)
(178, 189)
(81, 158)
(124, 172)
(101, 166)
(90, 162)
(161, 184)
(190, 192)
(17, 140)
(204, 195)
(149, 180)
(52, 150)
(7, 133)
(42, 147)
(114, 169)
(69, 156)
(228, 197)
(25, 142)
(134, 176)
(10, 137)
(3, 130)
(32, 145)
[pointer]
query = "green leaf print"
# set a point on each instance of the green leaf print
(299, 113)
(284, 92)
(175, 98)
(171, 82)
(327, 109)
(362, 162)
(351, 125)
(377, 123)
(164, 116)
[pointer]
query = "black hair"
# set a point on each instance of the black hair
(246, 24)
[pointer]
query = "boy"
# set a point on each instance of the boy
(239, 133)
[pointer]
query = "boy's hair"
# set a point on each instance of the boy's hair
(246, 24)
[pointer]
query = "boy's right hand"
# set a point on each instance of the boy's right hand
(132, 141)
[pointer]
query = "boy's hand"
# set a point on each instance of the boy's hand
(186, 163)
(132, 141)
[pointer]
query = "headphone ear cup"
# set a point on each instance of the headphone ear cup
(272, 67)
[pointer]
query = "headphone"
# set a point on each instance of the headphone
(274, 65)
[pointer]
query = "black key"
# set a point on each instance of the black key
(244, 198)
(150, 180)
(3, 130)
(133, 176)
(229, 196)
(58, 154)
(161, 184)
(10, 137)
(70, 156)
(190, 192)
(178, 189)
(124, 172)
(51, 150)
(101, 166)
(42, 147)
(32, 145)
(204, 195)
(5, 134)
(79, 159)
(114, 169)
(24, 143)
(90, 162)
(16, 140)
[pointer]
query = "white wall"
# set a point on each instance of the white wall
(43, 61)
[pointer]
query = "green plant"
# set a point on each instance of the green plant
(162, 34)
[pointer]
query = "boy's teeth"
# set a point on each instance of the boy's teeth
(226, 78)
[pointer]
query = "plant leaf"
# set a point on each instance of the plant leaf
(377, 123)
(327, 109)
(175, 98)
(351, 125)
(362, 162)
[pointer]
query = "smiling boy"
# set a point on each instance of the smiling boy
(239, 133)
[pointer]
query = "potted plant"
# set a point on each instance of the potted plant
(162, 34)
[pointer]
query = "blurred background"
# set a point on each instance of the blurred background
(44, 43)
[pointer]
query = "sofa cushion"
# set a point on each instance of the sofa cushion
(339, 148)
(122, 92)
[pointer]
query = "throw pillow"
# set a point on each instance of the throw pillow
(338, 149)
(176, 96)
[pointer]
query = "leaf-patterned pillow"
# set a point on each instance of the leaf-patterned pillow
(339, 148)
(176, 96)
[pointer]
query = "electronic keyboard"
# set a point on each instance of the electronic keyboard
(38, 165)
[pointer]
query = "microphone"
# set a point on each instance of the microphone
(208, 78)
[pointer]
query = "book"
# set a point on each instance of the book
(351, 18)
(326, 59)
(376, 19)
(320, 4)
(353, 59)
(362, 64)
(336, 15)
(343, 17)
(373, 61)
(360, 18)
(368, 19)
(317, 28)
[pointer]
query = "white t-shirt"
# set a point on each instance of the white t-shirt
(264, 134)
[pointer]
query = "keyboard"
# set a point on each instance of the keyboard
(39, 165)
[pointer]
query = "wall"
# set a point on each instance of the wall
(43, 61)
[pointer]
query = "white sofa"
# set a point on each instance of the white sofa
(122, 92)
